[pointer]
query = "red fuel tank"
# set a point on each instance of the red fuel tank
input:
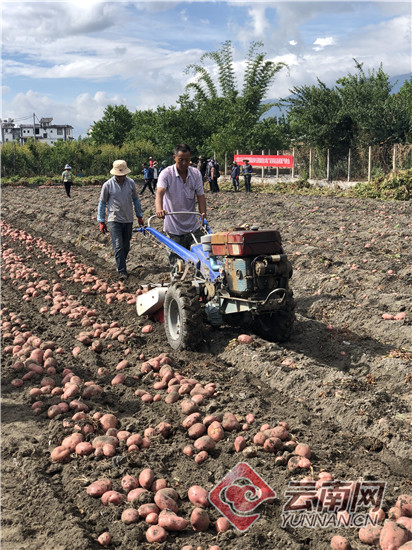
(246, 243)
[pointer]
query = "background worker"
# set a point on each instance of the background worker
(247, 173)
(67, 179)
(179, 188)
(148, 178)
(235, 176)
(120, 196)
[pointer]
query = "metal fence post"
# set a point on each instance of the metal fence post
(310, 163)
(349, 161)
(263, 169)
(328, 166)
(369, 163)
(293, 162)
(394, 159)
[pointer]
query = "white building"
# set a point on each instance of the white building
(44, 131)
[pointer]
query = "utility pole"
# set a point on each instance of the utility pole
(34, 126)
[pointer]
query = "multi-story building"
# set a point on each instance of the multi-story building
(43, 131)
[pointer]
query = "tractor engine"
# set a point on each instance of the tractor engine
(253, 262)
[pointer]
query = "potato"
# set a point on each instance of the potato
(406, 546)
(188, 450)
(71, 441)
(303, 450)
(198, 496)
(260, 438)
(273, 444)
(148, 508)
(129, 482)
(134, 439)
(105, 539)
(130, 515)
(245, 339)
(339, 543)
(191, 419)
(155, 533)
(164, 429)
(370, 534)
(108, 450)
(60, 454)
(112, 497)
(392, 536)
(199, 519)
(377, 515)
(240, 443)
(134, 494)
(201, 457)
(99, 487)
(406, 522)
(163, 500)
(171, 522)
(222, 525)
(152, 518)
(216, 431)
(404, 503)
(101, 440)
(158, 484)
(188, 406)
(146, 478)
(280, 432)
(230, 422)
(204, 443)
(84, 448)
(196, 431)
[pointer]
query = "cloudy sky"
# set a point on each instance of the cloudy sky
(69, 60)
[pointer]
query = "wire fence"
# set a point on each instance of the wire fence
(356, 165)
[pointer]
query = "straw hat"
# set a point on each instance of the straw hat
(67, 167)
(120, 168)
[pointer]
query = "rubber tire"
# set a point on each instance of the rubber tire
(277, 326)
(183, 317)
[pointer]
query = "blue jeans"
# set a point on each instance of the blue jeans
(121, 234)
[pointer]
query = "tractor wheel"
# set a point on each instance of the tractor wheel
(276, 326)
(183, 317)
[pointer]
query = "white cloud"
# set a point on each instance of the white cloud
(321, 43)
(293, 42)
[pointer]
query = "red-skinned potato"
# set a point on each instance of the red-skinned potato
(201, 457)
(196, 431)
(244, 339)
(71, 441)
(407, 523)
(204, 443)
(215, 431)
(134, 494)
(158, 484)
(146, 478)
(99, 487)
(148, 508)
(191, 419)
(392, 536)
(370, 534)
(171, 521)
(406, 546)
(155, 533)
(163, 500)
(84, 448)
(130, 515)
(152, 518)
(105, 539)
(303, 450)
(404, 503)
(230, 422)
(222, 525)
(340, 543)
(129, 482)
(112, 497)
(199, 519)
(198, 496)
(60, 454)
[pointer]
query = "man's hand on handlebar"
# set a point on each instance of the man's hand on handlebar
(161, 213)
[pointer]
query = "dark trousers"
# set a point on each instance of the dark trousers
(248, 177)
(67, 186)
(235, 182)
(147, 183)
(121, 234)
(186, 241)
(214, 186)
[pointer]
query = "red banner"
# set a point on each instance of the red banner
(274, 161)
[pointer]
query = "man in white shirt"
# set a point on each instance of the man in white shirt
(179, 188)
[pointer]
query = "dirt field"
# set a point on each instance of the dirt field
(343, 383)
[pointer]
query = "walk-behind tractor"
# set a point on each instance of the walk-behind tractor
(238, 277)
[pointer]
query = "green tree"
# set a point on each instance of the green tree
(114, 127)
(229, 113)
